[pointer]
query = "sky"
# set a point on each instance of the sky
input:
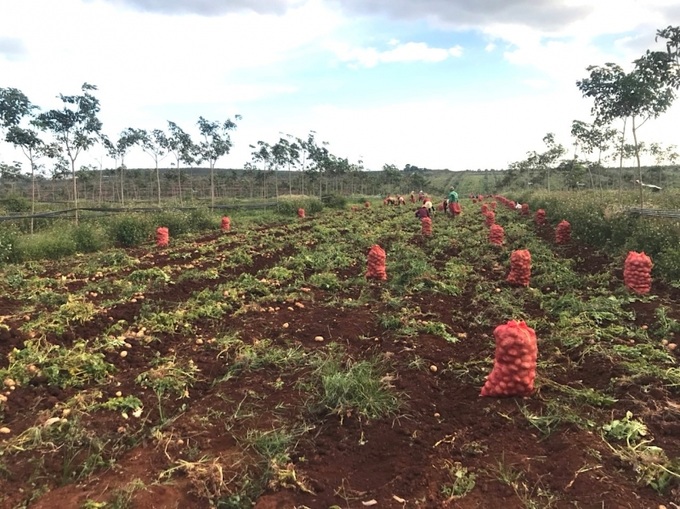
(453, 84)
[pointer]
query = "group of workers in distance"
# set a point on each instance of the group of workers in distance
(451, 205)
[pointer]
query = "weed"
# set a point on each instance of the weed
(552, 416)
(350, 387)
(461, 481)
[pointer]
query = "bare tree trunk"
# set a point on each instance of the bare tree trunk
(32, 195)
(637, 157)
(179, 184)
(100, 185)
(122, 182)
(158, 183)
(212, 185)
(623, 137)
(75, 187)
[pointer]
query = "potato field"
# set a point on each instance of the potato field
(260, 367)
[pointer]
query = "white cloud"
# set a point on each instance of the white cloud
(398, 53)
(543, 14)
(206, 7)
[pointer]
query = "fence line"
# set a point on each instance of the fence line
(672, 214)
(112, 211)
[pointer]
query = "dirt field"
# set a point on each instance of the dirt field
(231, 339)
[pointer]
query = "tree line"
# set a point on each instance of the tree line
(629, 98)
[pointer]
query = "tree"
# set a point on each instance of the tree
(391, 176)
(216, 143)
(643, 93)
(573, 171)
(545, 161)
(289, 154)
(75, 127)
(286, 153)
(262, 154)
(14, 106)
(127, 139)
(179, 144)
(304, 149)
(33, 147)
(154, 145)
(591, 137)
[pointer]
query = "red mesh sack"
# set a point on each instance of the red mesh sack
(490, 218)
(637, 272)
(520, 267)
(493, 205)
(496, 234)
(539, 217)
(162, 236)
(514, 365)
(426, 226)
(440, 207)
(484, 208)
(525, 209)
(226, 224)
(301, 213)
(563, 232)
(367, 204)
(376, 263)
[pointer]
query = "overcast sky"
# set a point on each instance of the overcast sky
(455, 84)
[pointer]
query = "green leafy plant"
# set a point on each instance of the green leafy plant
(169, 377)
(361, 387)
(461, 481)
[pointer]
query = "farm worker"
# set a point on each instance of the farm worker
(428, 205)
(413, 197)
(453, 196)
(421, 195)
(454, 206)
(401, 200)
(422, 212)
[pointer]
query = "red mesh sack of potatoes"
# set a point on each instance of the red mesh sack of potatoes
(496, 234)
(301, 213)
(525, 209)
(514, 365)
(376, 263)
(563, 232)
(426, 226)
(493, 205)
(637, 272)
(367, 204)
(226, 224)
(520, 267)
(539, 217)
(162, 236)
(484, 208)
(490, 218)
